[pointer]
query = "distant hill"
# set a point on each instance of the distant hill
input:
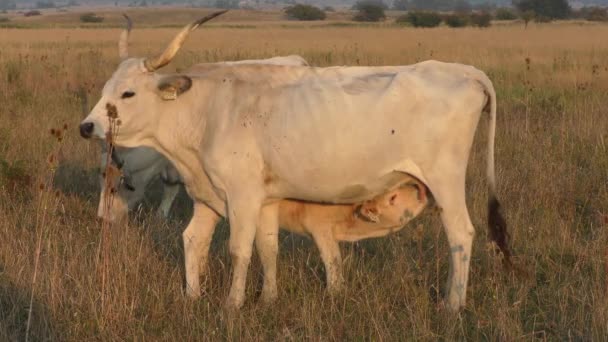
(270, 3)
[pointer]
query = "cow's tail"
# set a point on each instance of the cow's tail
(496, 223)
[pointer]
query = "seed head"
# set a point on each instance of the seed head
(112, 111)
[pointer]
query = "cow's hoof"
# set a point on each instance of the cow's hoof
(233, 304)
(269, 297)
(443, 305)
(193, 293)
(336, 288)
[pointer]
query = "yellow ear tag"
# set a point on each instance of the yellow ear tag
(169, 93)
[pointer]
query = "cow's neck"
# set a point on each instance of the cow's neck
(179, 136)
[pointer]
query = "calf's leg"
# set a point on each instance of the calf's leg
(332, 259)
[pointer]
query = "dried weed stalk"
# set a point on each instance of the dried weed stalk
(46, 202)
(111, 171)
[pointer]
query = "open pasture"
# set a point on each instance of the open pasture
(552, 172)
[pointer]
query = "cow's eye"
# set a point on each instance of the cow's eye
(127, 94)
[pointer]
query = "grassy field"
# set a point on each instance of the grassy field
(552, 170)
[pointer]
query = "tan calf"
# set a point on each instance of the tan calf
(328, 224)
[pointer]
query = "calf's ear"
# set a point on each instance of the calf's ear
(369, 212)
(170, 87)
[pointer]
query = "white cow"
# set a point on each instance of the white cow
(141, 165)
(247, 135)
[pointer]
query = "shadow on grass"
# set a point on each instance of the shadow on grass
(72, 179)
(14, 310)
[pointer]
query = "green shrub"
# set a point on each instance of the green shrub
(424, 19)
(505, 14)
(456, 20)
(403, 19)
(31, 13)
(304, 12)
(44, 4)
(369, 10)
(550, 9)
(14, 177)
(483, 19)
(542, 19)
(595, 13)
(90, 18)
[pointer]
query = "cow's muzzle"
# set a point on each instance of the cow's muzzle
(86, 129)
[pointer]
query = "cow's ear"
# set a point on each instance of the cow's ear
(170, 87)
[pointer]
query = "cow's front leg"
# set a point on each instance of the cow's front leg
(267, 245)
(243, 214)
(197, 238)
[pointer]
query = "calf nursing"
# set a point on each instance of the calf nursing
(328, 224)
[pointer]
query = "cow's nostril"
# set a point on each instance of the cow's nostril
(86, 129)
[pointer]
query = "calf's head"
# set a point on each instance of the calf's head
(128, 108)
(396, 207)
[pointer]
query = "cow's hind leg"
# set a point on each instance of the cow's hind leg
(267, 245)
(197, 238)
(450, 196)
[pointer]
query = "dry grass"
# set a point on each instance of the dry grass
(552, 164)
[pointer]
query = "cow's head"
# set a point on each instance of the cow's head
(396, 207)
(134, 92)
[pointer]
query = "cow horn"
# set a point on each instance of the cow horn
(153, 64)
(123, 42)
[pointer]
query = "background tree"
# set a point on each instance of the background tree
(526, 16)
(456, 20)
(226, 4)
(462, 7)
(436, 5)
(593, 13)
(551, 9)
(370, 10)
(401, 5)
(423, 19)
(7, 5)
(45, 4)
(91, 18)
(504, 13)
(304, 12)
(481, 19)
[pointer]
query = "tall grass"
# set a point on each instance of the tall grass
(552, 167)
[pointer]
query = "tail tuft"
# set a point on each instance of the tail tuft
(498, 230)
